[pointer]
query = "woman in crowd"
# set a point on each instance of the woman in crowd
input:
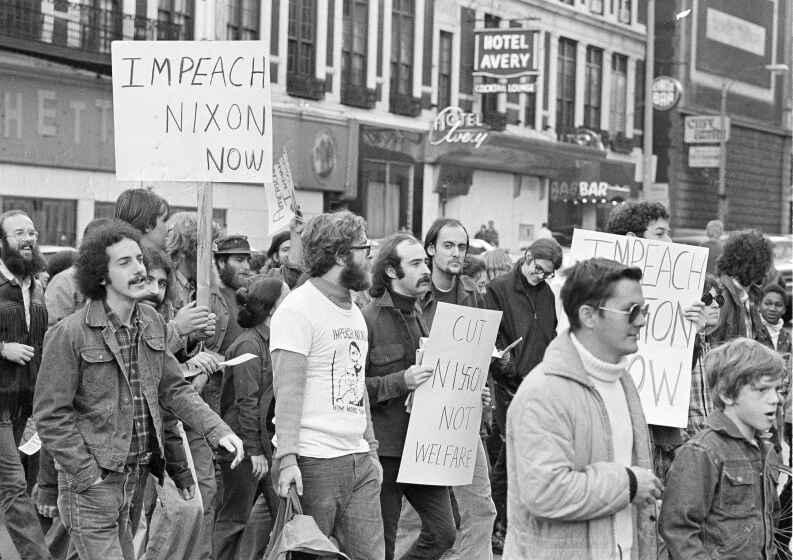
(246, 395)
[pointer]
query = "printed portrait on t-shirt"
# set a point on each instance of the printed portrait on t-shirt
(347, 373)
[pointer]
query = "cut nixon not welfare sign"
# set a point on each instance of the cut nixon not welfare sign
(192, 111)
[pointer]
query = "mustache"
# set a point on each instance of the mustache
(425, 279)
(137, 279)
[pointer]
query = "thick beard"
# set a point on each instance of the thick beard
(19, 265)
(354, 278)
(230, 278)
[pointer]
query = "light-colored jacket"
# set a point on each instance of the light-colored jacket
(564, 486)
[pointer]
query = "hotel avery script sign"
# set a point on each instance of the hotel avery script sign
(505, 53)
(192, 111)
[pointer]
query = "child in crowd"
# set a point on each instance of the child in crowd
(720, 499)
(772, 309)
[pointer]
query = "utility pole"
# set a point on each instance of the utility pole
(649, 74)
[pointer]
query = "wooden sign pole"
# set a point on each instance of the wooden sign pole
(204, 254)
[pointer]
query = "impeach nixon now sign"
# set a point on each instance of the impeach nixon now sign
(673, 278)
(192, 111)
(505, 53)
(443, 433)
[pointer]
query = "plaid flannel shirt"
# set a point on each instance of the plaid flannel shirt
(128, 338)
(700, 405)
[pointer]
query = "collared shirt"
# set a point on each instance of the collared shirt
(25, 289)
(128, 338)
(700, 404)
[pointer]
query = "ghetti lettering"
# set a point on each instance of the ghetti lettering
(230, 72)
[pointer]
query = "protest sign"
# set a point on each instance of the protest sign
(443, 433)
(280, 195)
(673, 278)
(192, 111)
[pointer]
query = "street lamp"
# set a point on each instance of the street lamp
(725, 88)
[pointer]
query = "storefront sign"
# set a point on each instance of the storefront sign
(505, 53)
(193, 111)
(673, 278)
(706, 129)
(443, 433)
(665, 93)
(703, 156)
(512, 87)
(594, 182)
(453, 126)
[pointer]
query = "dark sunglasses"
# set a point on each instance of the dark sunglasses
(632, 312)
(708, 298)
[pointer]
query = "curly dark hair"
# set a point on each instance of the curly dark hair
(387, 256)
(634, 217)
(257, 300)
(329, 236)
(746, 256)
(92, 259)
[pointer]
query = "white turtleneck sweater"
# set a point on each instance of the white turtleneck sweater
(605, 377)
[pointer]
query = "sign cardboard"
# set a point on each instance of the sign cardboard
(280, 195)
(705, 129)
(443, 433)
(192, 111)
(674, 275)
(505, 53)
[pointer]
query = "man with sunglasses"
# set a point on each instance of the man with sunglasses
(578, 448)
(528, 310)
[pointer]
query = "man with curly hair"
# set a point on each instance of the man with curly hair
(649, 220)
(107, 378)
(744, 262)
(324, 439)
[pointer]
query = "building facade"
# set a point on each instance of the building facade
(357, 86)
(735, 53)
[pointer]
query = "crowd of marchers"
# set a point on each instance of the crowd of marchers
(153, 446)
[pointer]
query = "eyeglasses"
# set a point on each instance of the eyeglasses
(708, 298)
(367, 248)
(540, 271)
(632, 312)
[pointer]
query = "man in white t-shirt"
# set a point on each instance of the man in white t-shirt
(324, 440)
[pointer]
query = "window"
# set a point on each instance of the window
(354, 36)
(445, 70)
(565, 84)
(530, 113)
(619, 92)
(388, 188)
(243, 22)
(175, 20)
(596, 6)
(402, 15)
(301, 42)
(594, 78)
(638, 120)
(624, 13)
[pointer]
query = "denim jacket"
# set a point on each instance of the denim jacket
(720, 496)
(83, 401)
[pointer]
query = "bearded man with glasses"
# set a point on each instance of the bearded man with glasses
(578, 448)
(528, 310)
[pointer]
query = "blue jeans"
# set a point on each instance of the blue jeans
(240, 490)
(22, 520)
(98, 519)
(343, 496)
